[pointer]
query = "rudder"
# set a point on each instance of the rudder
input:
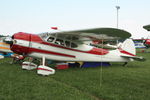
(128, 46)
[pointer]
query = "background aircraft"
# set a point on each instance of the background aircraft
(143, 43)
(5, 47)
(147, 41)
(147, 27)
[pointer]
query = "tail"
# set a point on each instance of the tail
(127, 50)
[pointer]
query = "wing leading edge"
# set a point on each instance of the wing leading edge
(93, 34)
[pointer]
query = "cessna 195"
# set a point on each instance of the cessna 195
(74, 46)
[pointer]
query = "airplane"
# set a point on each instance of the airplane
(139, 43)
(147, 27)
(147, 41)
(73, 46)
(4, 47)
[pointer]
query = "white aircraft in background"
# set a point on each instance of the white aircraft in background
(71, 46)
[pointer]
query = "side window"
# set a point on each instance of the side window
(70, 44)
(50, 39)
(59, 42)
(67, 43)
(73, 45)
(62, 42)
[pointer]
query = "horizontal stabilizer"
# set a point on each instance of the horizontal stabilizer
(135, 58)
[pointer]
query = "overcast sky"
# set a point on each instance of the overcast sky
(36, 16)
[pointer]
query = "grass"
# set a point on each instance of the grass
(117, 83)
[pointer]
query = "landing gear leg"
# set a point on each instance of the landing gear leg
(125, 64)
(44, 70)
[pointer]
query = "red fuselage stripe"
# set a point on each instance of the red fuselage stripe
(93, 51)
(28, 65)
(45, 52)
(51, 52)
(125, 52)
(44, 69)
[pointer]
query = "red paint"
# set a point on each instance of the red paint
(125, 52)
(36, 38)
(62, 66)
(98, 51)
(41, 51)
(44, 69)
(27, 37)
(22, 36)
(97, 41)
(28, 65)
(147, 41)
(19, 49)
(54, 28)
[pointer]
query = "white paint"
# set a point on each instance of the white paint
(28, 65)
(45, 70)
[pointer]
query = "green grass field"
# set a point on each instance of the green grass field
(118, 83)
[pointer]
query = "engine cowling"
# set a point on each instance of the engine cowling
(21, 43)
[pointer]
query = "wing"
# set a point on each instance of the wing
(147, 27)
(93, 34)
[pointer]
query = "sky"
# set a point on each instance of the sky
(36, 16)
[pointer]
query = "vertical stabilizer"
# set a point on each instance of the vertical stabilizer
(128, 47)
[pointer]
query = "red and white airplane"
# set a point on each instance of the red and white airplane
(74, 46)
(147, 41)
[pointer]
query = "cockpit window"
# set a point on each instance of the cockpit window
(50, 39)
(67, 43)
(59, 42)
(73, 45)
(70, 44)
